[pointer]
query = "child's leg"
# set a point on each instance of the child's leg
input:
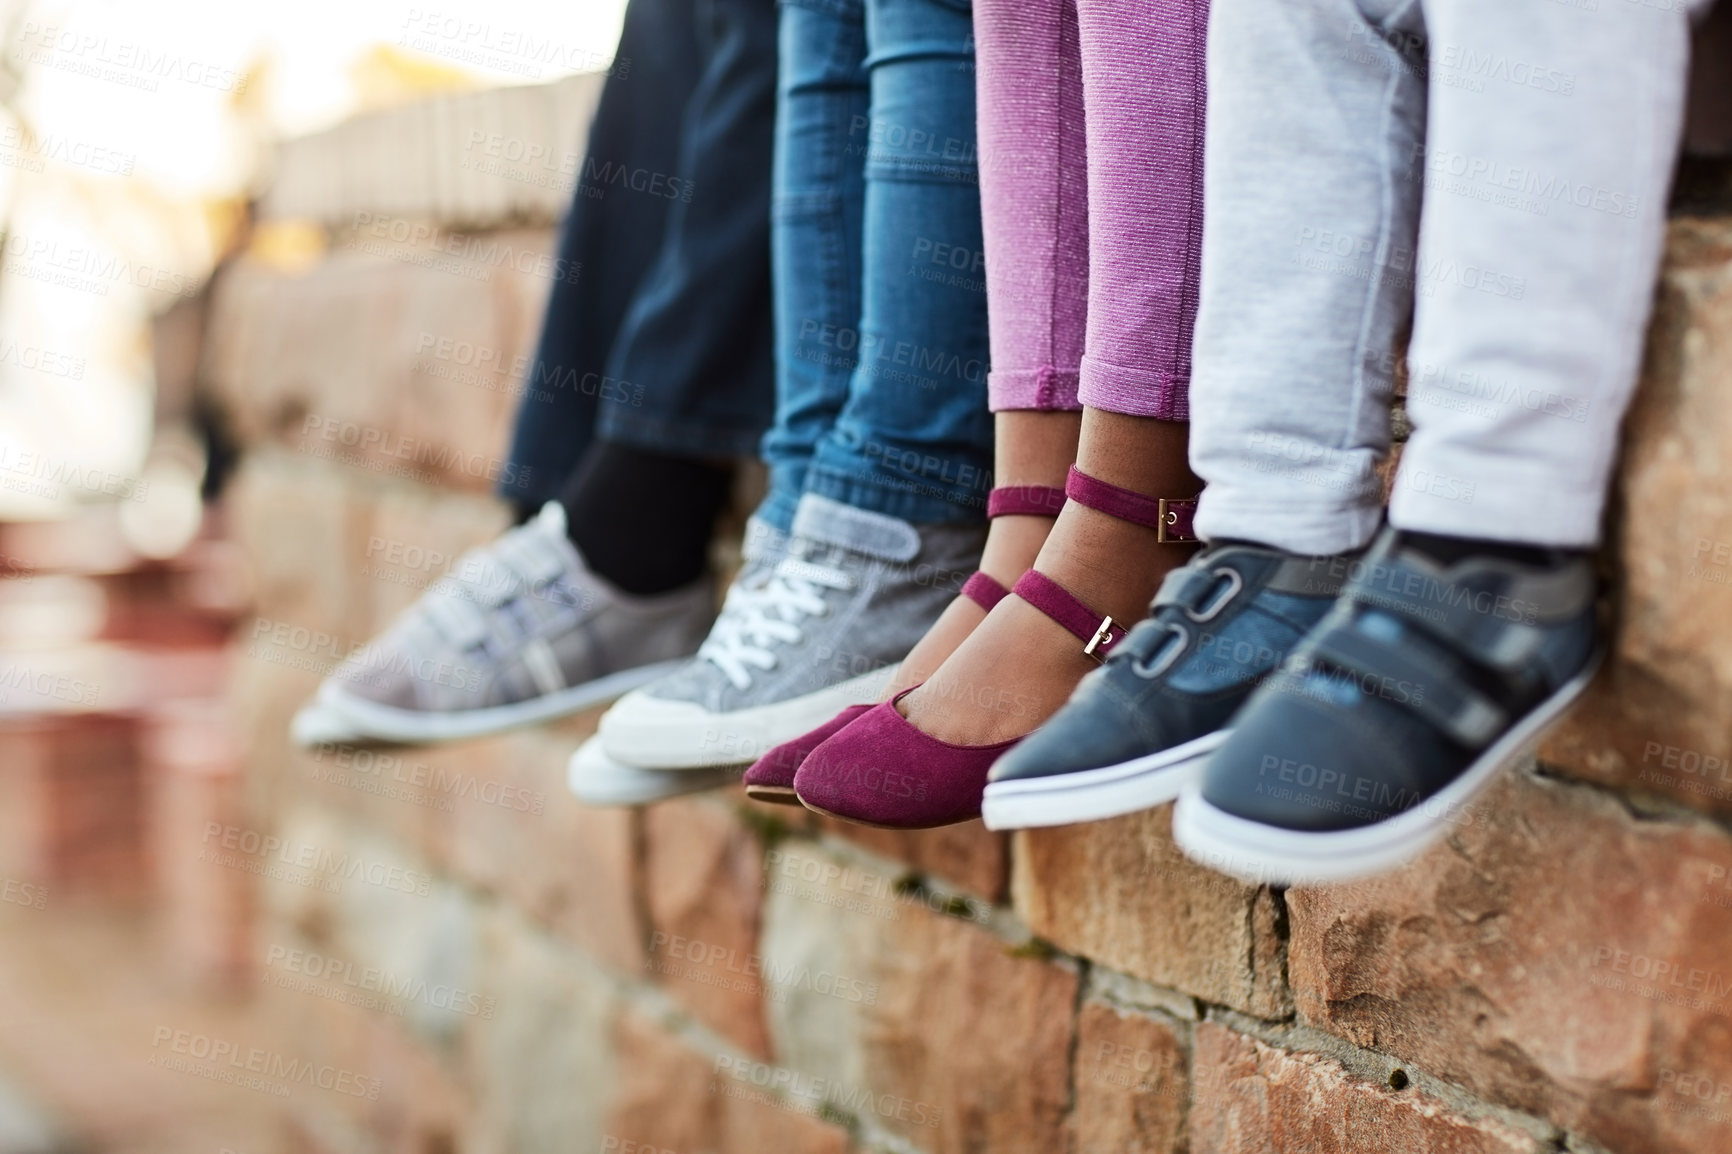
(817, 191)
(1142, 79)
(1034, 210)
(1315, 109)
(1472, 624)
(1552, 137)
(1140, 68)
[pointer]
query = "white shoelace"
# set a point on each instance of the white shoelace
(753, 619)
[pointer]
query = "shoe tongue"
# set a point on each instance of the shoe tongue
(856, 530)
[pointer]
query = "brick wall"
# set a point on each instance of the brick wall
(523, 974)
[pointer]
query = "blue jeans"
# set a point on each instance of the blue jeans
(663, 340)
(880, 302)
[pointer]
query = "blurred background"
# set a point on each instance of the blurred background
(194, 197)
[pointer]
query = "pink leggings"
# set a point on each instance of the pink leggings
(1091, 181)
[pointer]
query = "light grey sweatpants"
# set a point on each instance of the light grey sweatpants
(1540, 137)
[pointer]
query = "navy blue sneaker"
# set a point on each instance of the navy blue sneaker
(1141, 726)
(1419, 686)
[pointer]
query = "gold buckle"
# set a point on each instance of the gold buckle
(1167, 518)
(1103, 636)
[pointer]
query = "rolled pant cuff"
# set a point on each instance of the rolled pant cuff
(910, 499)
(1520, 514)
(1045, 389)
(1309, 528)
(1134, 392)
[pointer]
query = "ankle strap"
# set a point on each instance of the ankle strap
(984, 591)
(1169, 517)
(1032, 500)
(1098, 631)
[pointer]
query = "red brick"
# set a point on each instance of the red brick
(1133, 1085)
(1121, 893)
(566, 864)
(671, 1100)
(1513, 959)
(961, 1028)
(969, 857)
(194, 767)
(703, 879)
(72, 795)
(335, 363)
(1252, 1098)
(1668, 682)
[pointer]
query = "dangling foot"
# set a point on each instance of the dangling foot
(922, 758)
(1022, 516)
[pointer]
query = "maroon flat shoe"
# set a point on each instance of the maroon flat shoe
(771, 777)
(880, 770)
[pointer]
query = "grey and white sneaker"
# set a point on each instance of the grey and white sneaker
(855, 593)
(596, 779)
(519, 632)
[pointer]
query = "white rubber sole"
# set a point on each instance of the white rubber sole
(651, 733)
(410, 726)
(1265, 855)
(596, 779)
(1094, 794)
(317, 724)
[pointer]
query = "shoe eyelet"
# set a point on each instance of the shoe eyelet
(1167, 655)
(1234, 584)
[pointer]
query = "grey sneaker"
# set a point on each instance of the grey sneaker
(855, 593)
(520, 632)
